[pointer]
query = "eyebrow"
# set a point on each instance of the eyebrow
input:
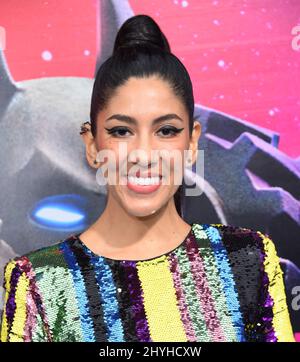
(131, 120)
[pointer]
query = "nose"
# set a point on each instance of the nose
(142, 152)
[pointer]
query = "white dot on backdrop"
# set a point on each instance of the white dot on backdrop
(184, 4)
(216, 22)
(46, 55)
(86, 52)
(271, 112)
(221, 63)
(242, 12)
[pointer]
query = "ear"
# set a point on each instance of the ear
(90, 147)
(193, 144)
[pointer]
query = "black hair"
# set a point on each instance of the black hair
(141, 50)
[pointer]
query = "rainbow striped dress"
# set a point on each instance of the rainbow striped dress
(222, 283)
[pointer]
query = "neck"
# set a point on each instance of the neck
(120, 229)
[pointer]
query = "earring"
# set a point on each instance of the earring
(95, 162)
(189, 161)
(84, 128)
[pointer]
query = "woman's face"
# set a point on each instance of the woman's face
(141, 101)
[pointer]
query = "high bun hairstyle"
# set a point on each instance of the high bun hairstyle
(141, 50)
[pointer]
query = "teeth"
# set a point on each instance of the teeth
(144, 180)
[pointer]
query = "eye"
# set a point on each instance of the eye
(121, 131)
(167, 131)
(117, 131)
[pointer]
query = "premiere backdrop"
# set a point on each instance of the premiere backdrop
(243, 58)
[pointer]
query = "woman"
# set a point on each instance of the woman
(140, 272)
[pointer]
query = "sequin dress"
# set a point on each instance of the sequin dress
(222, 283)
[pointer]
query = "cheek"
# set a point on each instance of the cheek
(110, 156)
(176, 153)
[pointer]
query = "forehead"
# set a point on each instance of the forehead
(145, 95)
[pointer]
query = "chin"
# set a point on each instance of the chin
(141, 208)
(141, 211)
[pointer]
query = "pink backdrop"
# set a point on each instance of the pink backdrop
(238, 53)
(241, 61)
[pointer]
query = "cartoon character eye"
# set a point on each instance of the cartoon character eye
(60, 212)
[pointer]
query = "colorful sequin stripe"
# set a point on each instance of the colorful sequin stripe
(20, 286)
(204, 289)
(92, 291)
(125, 302)
(87, 324)
(115, 319)
(160, 301)
(214, 282)
(181, 289)
(189, 298)
(37, 325)
(265, 303)
(244, 255)
(217, 265)
(9, 304)
(281, 320)
(115, 332)
(115, 303)
(53, 279)
(23, 313)
(137, 301)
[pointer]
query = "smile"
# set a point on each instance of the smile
(144, 180)
(143, 185)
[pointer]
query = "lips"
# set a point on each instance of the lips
(142, 188)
